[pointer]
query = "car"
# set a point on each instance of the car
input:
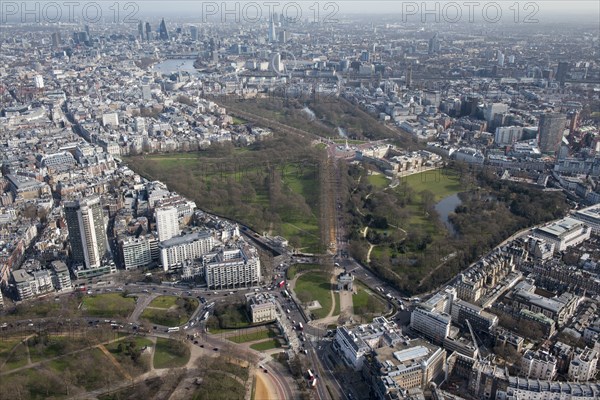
(202, 345)
(195, 342)
(216, 349)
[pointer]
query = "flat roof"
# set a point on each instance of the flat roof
(561, 227)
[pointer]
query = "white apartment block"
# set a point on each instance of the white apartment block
(538, 365)
(167, 223)
(232, 268)
(583, 366)
(30, 285)
(139, 252)
(176, 250)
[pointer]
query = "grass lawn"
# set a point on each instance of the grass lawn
(266, 345)
(165, 311)
(169, 318)
(296, 268)
(336, 309)
(379, 181)
(132, 358)
(252, 336)
(108, 305)
(170, 353)
(318, 286)
(6, 347)
(17, 359)
(91, 369)
(243, 190)
(218, 386)
(440, 182)
(55, 346)
(163, 302)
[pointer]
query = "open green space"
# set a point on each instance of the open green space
(312, 286)
(42, 347)
(228, 316)
(298, 268)
(440, 182)
(6, 348)
(108, 305)
(266, 345)
(231, 366)
(170, 353)
(272, 186)
(17, 359)
(243, 337)
(164, 302)
(91, 369)
(218, 386)
(379, 181)
(133, 353)
(170, 310)
(366, 303)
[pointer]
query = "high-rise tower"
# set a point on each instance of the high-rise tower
(167, 222)
(163, 34)
(550, 131)
(87, 231)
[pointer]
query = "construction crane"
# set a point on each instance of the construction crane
(474, 340)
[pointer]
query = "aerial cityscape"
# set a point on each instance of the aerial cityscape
(300, 200)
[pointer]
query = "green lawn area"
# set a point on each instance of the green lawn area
(239, 121)
(379, 181)
(360, 298)
(54, 346)
(169, 310)
(297, 268)
(17, 359)
(441, 183)
(170, 353)
(218, 386)
(336, 309)
(130, 354)
(108, 305)
(318, 287)
(259, 185)
(266, 345)
(252, 336)
(163, 302)
(91, 369)
(6, 347)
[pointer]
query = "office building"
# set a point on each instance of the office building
(56, 40)
(87, 231)
(194, 33)
(163, 34)
(353, 344)
(167, 222)
(590, 216)
(148, 32)
(230, 268)
(431, 324)
(550, 132)
(408, 364)
(564, 233)
(178, 249)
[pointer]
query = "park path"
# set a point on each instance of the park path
(114, 362)
(24, 343)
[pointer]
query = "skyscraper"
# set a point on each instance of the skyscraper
(148, 31)
(561, 72)
(167, 223)
(194, 32)
(141, 30)
(272, 33)
(87, 231)
(163, 34)
(550, 132)
(56, 40)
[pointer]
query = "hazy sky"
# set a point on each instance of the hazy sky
(542, 11)
(590, 8)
